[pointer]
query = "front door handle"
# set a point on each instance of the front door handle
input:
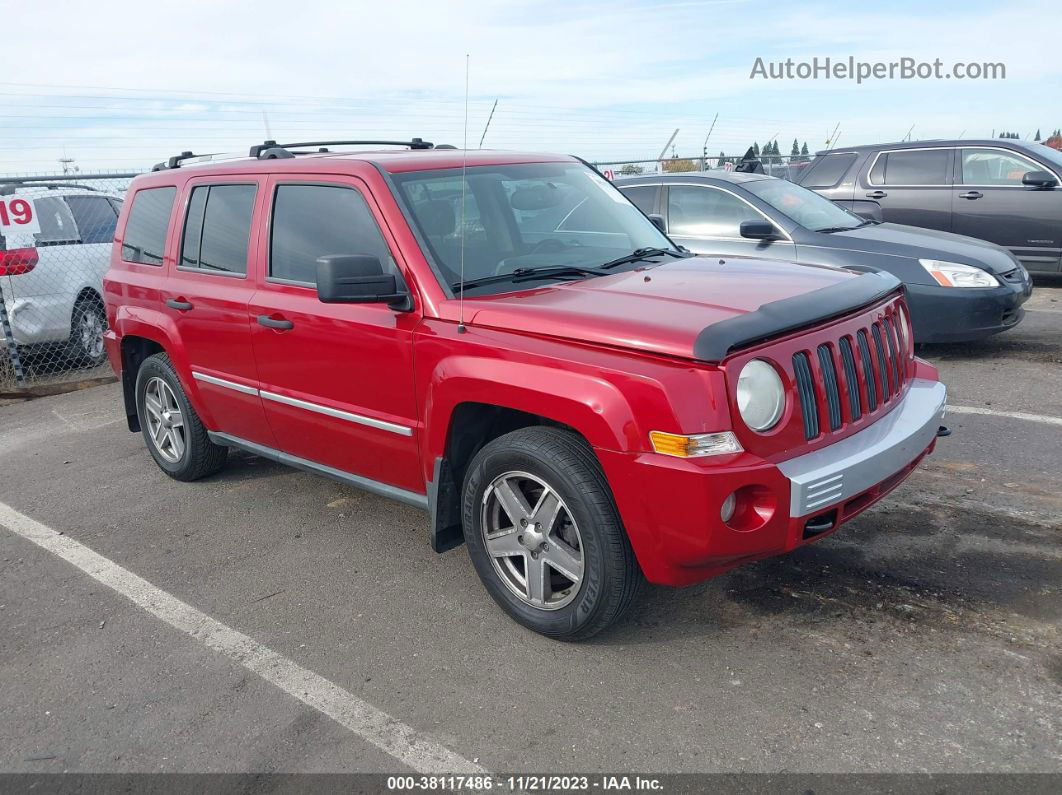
(877, 194)
(272, 322)
(179, 304)
(971, 194)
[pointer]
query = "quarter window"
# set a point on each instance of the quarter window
(643, 197)
(145, 233)
(911, 167)
(311, 221)
(95, 218)
(826, 171)
(57, 223)
(991, 167)
(706, 212)
(217, 228)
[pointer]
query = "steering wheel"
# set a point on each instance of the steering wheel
(548, 246)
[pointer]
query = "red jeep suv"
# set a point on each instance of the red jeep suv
(505, 341)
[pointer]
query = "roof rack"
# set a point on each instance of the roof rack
(175, 161)
(271, 150)
(13, 186)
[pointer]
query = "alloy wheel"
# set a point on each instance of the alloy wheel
(532, 540)
(165, 420)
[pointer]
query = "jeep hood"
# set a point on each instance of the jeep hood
(696, 308)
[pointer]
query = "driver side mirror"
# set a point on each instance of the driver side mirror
(1039, 179)
(357, 279)
(758, 230)
(658, 222)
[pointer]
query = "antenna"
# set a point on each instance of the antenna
(487, 127)
(908, 136)
(663, 151)
(464, 185)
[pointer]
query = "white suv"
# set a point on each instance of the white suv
(51, 280)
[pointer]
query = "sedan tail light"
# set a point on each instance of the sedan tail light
(18, 261)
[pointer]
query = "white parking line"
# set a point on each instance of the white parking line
(388, 734)
(1014, 415)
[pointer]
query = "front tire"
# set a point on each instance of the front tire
(174, 434)
(544, 534)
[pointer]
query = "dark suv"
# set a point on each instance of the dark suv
(1000, 190)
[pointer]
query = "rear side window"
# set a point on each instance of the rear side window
(311, 221)
(95, 218)
(826, 171)
(145, 232)
(643, 197)
(912, 167)
(57, 223)
(217, 228)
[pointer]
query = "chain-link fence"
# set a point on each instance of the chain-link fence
(784, 166)
(56, 232)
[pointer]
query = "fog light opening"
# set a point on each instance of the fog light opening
(726, 512)
(750, 508)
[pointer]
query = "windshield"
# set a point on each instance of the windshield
(1044, 152)
(531, 215)
(804, 206)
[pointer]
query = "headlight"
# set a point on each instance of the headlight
(760, 395)
(954, 274)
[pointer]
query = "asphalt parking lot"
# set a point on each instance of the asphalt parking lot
(925, 636)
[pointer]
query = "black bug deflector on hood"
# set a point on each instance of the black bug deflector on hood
(719, 340)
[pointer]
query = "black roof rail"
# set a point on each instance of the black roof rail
(271, 149)
(12, 187)
(175, 161)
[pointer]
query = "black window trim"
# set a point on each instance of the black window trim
(365, 195)
(949, 171)
(184, 225)
(169, 226)
(666, 206)
(1015, 153)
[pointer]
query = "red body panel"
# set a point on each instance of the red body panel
(611, 358)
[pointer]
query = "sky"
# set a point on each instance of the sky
(120, 85)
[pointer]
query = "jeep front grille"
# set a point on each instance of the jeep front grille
(854, 375)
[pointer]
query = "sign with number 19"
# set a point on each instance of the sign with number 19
(18, 215)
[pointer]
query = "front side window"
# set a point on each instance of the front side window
(521, 216)
(706, 212)
(95, 218)
(145, 232)
(993, 167)
(217, 228)
(804, 206)
(911, 167)
(311, 221)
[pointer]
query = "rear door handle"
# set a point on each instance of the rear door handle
(971, 194)
(877, 194)
(178, 304)
(271, 322)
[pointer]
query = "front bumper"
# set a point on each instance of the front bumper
(671, 506)
(962, 314)
(849, 467)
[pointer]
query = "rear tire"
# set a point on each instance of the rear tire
(174, 434)
(562, 566)
(87, 324)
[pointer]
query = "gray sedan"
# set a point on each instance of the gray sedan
(958, 288)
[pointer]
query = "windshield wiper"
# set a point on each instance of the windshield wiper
(643, 253)
(828, 229)
(528, 274)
